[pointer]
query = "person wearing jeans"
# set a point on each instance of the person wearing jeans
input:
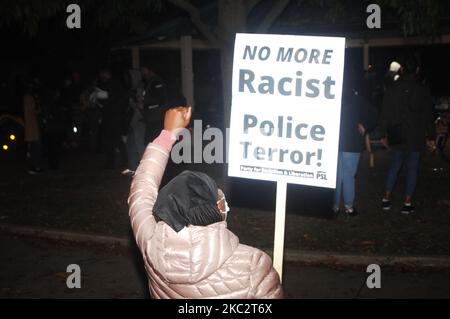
(357, 117)
(407, 123)
(412, 164)
(345, 180)
(135, 146)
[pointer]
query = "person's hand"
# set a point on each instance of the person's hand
(177, 118)
(385, 142)
(431, 144)
(361, 129)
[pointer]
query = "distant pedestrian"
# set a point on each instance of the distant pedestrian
(406, 122)
(113, 98)
(152, 99)
(135, 140)
(53, 128)
(33, 136)
(358, 117)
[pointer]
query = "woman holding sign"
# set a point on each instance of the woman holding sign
(182, 233)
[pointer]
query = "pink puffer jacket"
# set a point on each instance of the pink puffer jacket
(198, 261)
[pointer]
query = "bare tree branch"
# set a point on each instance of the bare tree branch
(194, 14)
(273, 14)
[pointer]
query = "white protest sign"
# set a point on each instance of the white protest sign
(286, 108)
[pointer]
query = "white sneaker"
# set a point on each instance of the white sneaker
(407, 209)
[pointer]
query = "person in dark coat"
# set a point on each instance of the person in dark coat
(358, 117)
(114, 103)
(54, 128)
(406, 123)
(152, 101)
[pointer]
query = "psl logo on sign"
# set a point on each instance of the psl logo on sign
(286, 107)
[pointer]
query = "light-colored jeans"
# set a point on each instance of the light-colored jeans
(135, 145)
(345, 180)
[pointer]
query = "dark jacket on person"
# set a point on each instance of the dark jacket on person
(154, 94)
(115, 106)
(355, 110)
(54, 115)
(407, 110)
(154, 99)
(390, 79)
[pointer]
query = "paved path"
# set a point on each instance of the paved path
(36, 268)
(291, 255)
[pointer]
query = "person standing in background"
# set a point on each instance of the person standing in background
(54, 128)
(152, 100)
(406, 123)
(113, 98)
(136, 130)
(32, 130)
(358, 117)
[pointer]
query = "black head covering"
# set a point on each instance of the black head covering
(188, 199)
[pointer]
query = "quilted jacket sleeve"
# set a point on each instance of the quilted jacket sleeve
(265, 280)
(144, 188)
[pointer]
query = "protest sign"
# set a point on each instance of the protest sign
(285, 114)
(286, 107)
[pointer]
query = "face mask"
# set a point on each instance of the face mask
(227, 208)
